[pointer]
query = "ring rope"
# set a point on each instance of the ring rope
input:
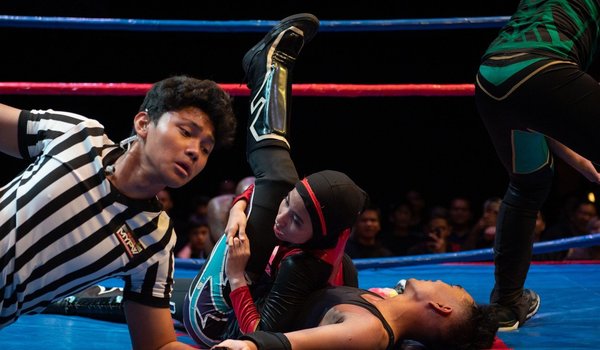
(331, 90)
(155, 25)
(424, 259)
(323, 90)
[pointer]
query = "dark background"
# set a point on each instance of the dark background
(387, 144)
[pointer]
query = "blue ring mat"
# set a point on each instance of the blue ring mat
(567, 318)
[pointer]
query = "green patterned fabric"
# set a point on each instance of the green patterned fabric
(534, 27)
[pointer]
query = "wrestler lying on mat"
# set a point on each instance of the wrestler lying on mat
(435, 314)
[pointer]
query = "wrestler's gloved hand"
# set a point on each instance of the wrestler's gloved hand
(268, 340)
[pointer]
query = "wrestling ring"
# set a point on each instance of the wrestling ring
(568, 316)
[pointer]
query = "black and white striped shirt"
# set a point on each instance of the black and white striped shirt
(63, 226)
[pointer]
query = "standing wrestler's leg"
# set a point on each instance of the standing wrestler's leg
(526, 193)
(268, 65)
(559, 101)
(514, 244)
(528, 161)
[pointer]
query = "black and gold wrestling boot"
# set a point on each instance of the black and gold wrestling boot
(268, 66)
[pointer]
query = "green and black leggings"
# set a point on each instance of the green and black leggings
(522, 99)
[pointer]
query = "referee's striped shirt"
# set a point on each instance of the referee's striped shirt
(64, 227)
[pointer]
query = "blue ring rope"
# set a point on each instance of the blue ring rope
(464, 256)
(154, 25)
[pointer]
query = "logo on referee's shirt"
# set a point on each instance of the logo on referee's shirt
(131, 244)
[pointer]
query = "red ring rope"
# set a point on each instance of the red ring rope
(325, 90)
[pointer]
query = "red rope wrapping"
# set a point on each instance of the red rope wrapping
(325, 90)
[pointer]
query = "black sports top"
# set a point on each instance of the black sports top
(322, 300)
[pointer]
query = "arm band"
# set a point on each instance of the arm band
(268, 340)
(246, 195)
(244, 309)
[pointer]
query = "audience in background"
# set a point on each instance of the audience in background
(578, 215)
(217, 214)
(443, 229)
(196, 212)
(594, 225)
(540, 226)
(218, 208)
(484, 231)
(438, 211)
(460, 216)
(166, 200)
(243, 184)
(418, 207)
(199, 207)
(587, 253)
(400, 236)
(437, 232)
(364, 241)
(226, 186)
(198, 240)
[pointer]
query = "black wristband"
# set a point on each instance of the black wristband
(268, 340)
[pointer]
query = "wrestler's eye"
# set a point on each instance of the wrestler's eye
(185, 132)
(287, 200)
(296, 219)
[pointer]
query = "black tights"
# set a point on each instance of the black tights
(559, 101)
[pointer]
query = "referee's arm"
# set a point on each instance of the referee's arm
(9, 121)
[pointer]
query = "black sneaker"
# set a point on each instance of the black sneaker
(281, 45)
(508, 320)
(95, 302)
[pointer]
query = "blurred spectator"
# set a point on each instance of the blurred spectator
(437, 232)
(460, 216)
(198, 237)
(226, 186)
(196, 213)
(243, 184)
(587, 253)
(484, 231)
(579, 217)
(218, 213)
(540, 226)
(165, 198)
(594, 225)
(400, 236)
(218, 208)
(199, 208)
(364, 241)
(438, 211)
(417, 204)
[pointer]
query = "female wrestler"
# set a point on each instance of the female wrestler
(536, 99)
(432, 313)
(310, 219)
(435, 314)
